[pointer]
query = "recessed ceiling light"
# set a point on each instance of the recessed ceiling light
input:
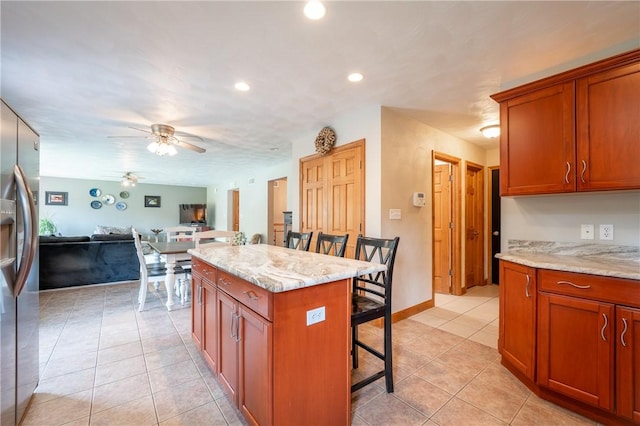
(314, 9)
(355, 77)
(242, 86)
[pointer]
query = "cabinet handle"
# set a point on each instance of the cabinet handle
(233, 329)
(526, 289)
(584, 169)
(574, 285)
(237, 328)
(624, 331)
(199, 295)
(223, 281)
(606, 322)
(251, 295)
(566, 176)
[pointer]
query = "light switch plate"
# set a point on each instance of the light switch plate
(586, 232)
(395, 214)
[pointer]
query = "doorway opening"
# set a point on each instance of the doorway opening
(233, 218)
(446, 224)
(494, 224)
(277, 205)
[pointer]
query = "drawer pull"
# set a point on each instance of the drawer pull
(574, 285)
(624, 331)
(604, 327)
(252, 295)
(566, 176)
(206, 271)
(526, 289)
(223, 281)
(584, 169)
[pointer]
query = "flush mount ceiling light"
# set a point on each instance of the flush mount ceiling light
(314, 9)
(242, 86)
(355, 77)
(492, 131)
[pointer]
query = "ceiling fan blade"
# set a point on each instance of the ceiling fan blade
(141, 130)
(120, 137)
(187, 145)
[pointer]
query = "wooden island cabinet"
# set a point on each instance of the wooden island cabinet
(279, 320)
(575, 131)
(581, 348)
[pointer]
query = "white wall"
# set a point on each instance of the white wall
(558, 217)
(254, 209)
(356, 125)
(79, 218)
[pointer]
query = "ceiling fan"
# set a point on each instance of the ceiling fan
(129, 179)
(165, 141)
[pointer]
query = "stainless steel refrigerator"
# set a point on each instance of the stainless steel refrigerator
(19, 305)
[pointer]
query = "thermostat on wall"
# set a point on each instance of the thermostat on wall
(419, 200)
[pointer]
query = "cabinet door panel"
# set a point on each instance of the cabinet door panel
(609, 130)
(575, 348)
(518, 316)
(196, 309)
(227, 344)
(209, 321)
(628, 362)
(255, 372)
(537, 150)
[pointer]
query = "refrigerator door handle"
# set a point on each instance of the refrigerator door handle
(25, 197)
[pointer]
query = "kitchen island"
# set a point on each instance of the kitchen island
(273, 324)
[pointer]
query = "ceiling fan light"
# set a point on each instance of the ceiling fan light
(153, 147)
(492, 131)
(314, 9)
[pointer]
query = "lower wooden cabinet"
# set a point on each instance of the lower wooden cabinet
(576, 348)
(517, 338)
(628, 363)
(275, 366)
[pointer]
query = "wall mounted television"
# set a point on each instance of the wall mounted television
(193, 214)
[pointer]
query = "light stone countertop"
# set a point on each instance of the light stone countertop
(280, 269)
(595, 259)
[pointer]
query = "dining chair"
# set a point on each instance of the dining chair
(331, 244)
(212, 238)
(371, 299)
(180, 233)
(150, 272)
(298, 240)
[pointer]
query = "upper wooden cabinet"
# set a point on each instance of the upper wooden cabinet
(576, 131)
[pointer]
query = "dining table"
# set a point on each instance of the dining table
(172, 252)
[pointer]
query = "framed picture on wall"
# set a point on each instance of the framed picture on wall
(54, 198)
(152, 201)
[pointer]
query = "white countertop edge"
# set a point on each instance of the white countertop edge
(582, 265)
(279, 280)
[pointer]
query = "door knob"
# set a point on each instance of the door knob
(496, 233)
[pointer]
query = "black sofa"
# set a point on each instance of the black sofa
(77, 261)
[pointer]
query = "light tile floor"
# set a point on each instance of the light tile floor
(105, 363)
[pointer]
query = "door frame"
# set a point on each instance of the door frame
(456, 282)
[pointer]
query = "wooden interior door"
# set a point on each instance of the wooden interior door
(474, 236)
(345, 199)
(442, 228)
(332, 193)
(277, 207)
(236, 210)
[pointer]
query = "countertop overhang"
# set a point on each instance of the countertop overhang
(595, 259)
(279, 269)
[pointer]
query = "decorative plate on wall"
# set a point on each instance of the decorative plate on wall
(108, 199)
(121, 205)
(124, 194)
(96, 204)
(95, 192)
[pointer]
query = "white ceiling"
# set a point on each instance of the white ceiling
(81, 71)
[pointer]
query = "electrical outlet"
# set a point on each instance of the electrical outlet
(606, 232)
(586, 232)
(315, 315)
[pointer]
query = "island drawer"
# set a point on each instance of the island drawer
(606, 289)
(250, 295)
(205, 270)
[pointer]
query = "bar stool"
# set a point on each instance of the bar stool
(371, 299)
(331, 244)
(298, 240)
